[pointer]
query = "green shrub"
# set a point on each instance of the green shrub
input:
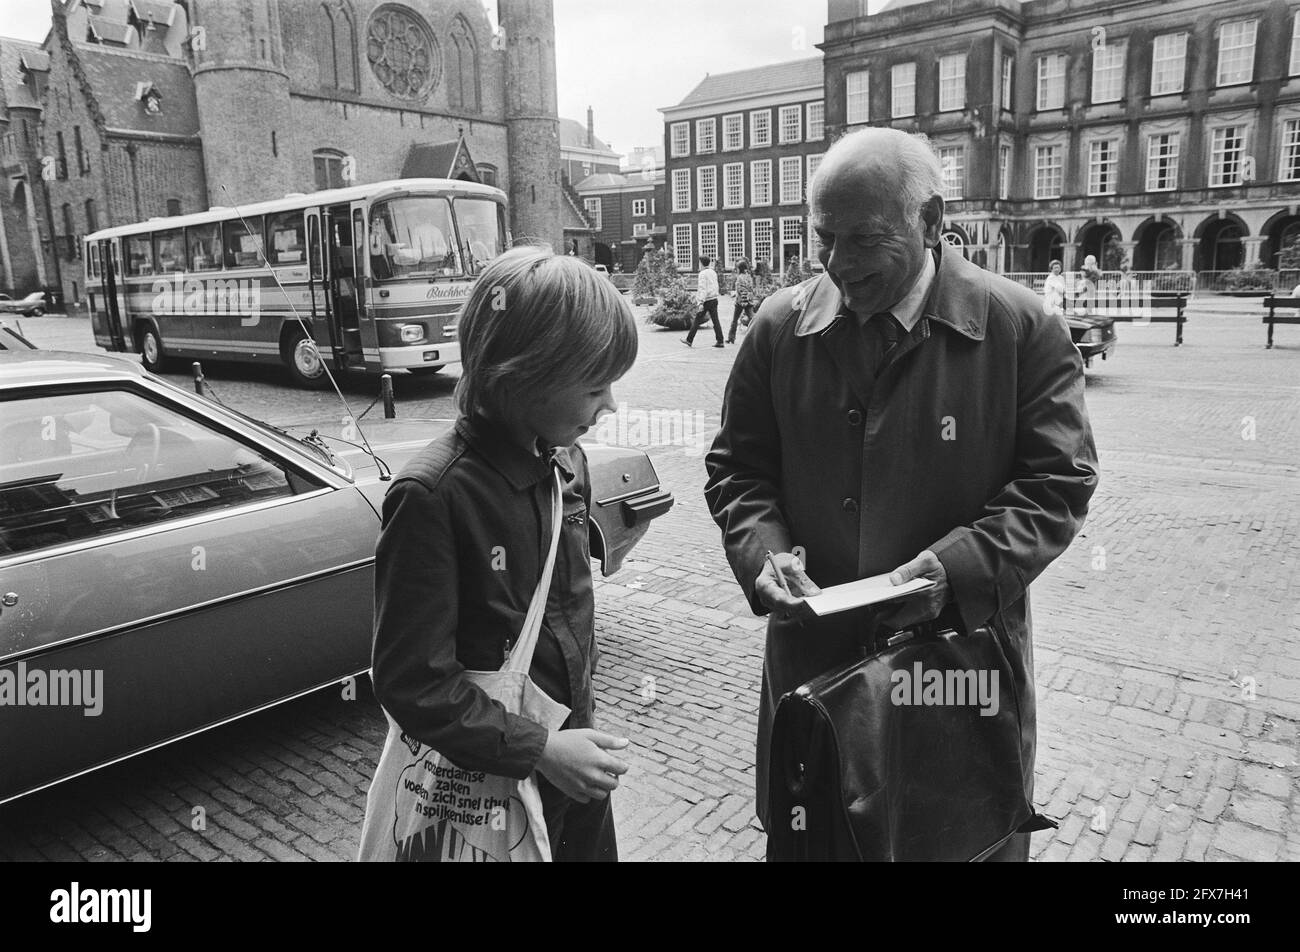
(676, 308)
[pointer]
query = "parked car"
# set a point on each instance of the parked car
(1094, 335)
(601, 269)
(31, 306)
(168, 564)
(11, 338)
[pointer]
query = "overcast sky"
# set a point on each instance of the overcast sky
(624, 58)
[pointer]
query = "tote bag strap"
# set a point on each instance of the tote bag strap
(521, 657)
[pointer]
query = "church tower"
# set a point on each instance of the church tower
(532, 120)
(242, 91)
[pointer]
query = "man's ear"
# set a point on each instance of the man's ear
(932, 216)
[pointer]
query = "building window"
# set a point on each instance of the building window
(706, 188)
(83, 157)
(594, 212)
(952, 162)
(733, 185)
(734, 240)
(816, 121)
(638, 207)
(1008, 92)
(790, 124)
(681, 140)
(1168, 63)
(61, 171)
(760, 129)
(92, 218)
(173, 206)
(1289, 168)
(336, 57)
(709, 239)
(706, 136)
(1227, 146)
(856, 87)
(640, 230)
(760, 182)
(487, 174)
(1049, 165)
(329, 169)
(69, 233)
(733, 132)
(682, 256)
(1236, 52)
(1162, 162)
(792, 180)
(462, 67)
(1051, 81)
(1108, 72)
(1103, 166)
(1295, 46)
(902, 86)
(1004, 172)
(813, 162)
(792, 237)
(681, 190)
(761, 240)
(952, 82)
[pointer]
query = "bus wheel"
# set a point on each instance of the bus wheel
(151, 350)
(304, 363)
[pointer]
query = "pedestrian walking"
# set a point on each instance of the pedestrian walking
(467, 526)
(744, 300)
(906, 412)
(1054, 290)
(707, 297)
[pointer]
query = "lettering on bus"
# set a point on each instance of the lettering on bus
(440, 292)
(181, 295)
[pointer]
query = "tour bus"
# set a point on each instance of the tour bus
(376, 273)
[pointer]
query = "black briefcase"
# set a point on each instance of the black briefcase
(882, 760)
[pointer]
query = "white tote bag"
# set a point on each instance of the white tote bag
(423, 808)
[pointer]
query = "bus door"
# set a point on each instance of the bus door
(114, 293)
(341, 288)
(318, 285)
(368, 338)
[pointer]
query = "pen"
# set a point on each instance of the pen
(779, 576)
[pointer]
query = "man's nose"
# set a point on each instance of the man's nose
(840, 260)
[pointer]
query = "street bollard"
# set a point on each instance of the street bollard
(386, 389)
(198, 377)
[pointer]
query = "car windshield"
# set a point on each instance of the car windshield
(74, 466)
(413, 237)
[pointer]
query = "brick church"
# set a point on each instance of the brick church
(138, 108)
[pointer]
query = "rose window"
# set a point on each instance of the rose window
(402, 52)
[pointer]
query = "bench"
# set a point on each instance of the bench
(1272, 303)
(1159, 301)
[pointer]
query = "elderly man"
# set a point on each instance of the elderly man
(905, 412)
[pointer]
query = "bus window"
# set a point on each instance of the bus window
(139, 254)
(313, 245)
(204, 244)
(243, 250)
(92, 262)
(480, 232)
(286, 242)
(169, 251)
(412, 237)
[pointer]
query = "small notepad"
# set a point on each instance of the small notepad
(863, 592)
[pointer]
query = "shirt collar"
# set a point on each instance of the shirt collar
(908, 311)
(519, 468)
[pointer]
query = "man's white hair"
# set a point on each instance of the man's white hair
(920, 174)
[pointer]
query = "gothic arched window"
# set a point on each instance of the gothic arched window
(336, 46)
(462, 71)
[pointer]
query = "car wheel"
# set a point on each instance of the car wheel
(304, 362)
(151, 351)
(36, 312)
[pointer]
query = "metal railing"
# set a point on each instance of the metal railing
(1184, 281)
(1249, 281)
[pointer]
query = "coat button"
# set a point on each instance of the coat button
(855, 418)
(849, 505)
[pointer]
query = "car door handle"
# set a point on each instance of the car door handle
(8, 600)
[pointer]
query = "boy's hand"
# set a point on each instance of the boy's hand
(576, 762)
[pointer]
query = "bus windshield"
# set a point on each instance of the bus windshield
(480, 232)
(413, 237)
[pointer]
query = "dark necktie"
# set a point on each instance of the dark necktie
(888, 333)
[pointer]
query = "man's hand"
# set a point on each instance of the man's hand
(769, 591)
(923, 606)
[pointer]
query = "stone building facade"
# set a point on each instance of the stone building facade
(1166, 136)
(182, 106)
(628, 212)
(740, 148)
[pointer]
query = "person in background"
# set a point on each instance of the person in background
(1091, 274)
(744, 300)
(707, 295)
(1054, 290)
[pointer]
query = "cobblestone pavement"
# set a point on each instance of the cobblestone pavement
(1168, 665)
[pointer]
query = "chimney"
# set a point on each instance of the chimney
(591, 129)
